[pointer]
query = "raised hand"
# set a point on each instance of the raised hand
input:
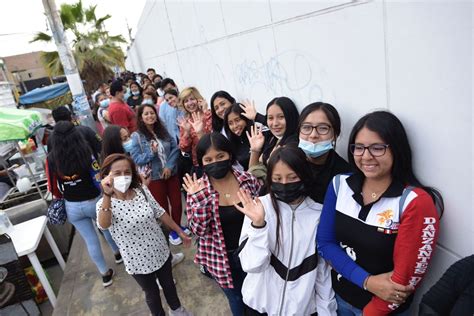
(252, 208)
(107, 185)
(184, 124)
(250, 111)
(256, 138)
(192, 184)
(197, 122)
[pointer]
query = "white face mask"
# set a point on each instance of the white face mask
(122, 183)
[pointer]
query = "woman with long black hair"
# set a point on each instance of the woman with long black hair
(379, 225)
(221, 101)
(282, 121)
(72, 166)
(278, 248)
(236, 127)
(212, 216)
(153, 148)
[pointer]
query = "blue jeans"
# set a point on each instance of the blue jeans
(234, 296)
(83, 216)
(346, 309)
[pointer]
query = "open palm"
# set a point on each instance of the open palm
(250, 111)
(256, 138)
(252, 208)
(192, 184)
(184, 124)
(197, 123)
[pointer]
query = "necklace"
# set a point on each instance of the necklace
(374, 195)
(227, 195)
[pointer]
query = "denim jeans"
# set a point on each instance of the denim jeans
(83, 216)
(234, 296)
(346, 309)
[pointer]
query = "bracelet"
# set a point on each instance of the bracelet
(255, 151)
(255, 226)
(365, 283)
(105, 209)
(106, 194)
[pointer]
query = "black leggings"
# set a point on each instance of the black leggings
(152, 291)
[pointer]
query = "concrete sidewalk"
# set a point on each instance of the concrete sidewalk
(82, 293)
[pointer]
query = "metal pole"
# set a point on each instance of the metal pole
(80, 104)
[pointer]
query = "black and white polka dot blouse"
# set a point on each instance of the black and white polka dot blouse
(137, 233)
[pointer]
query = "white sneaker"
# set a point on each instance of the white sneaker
(159, 285)
(186, 230)
(176, 258)
(175, 239)
(181, 311)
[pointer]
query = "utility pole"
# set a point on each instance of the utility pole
(80, 104)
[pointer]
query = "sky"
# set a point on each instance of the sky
(21, 19)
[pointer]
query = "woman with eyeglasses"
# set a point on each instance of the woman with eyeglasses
(319, 127)
(379, 225)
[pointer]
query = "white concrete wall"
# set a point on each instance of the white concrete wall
(413, 58)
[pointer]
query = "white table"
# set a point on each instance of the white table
(26, 237)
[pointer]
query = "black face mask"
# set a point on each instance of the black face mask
(288, 192)
(217, 170)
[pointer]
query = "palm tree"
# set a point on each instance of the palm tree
(94, 50)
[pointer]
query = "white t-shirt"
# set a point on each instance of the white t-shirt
(136, 232)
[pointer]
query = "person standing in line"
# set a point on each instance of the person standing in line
(119, 112)
(72, 166)
(169, 113)
(197, 121)
(152, 147)
(221, 101)
(236, 127)
(103, 103)
(130, 212)
(93, 139)
(319, 127)
(379, 225)
(212, 216)
(284, 274)
(136, 97)
(282, 121)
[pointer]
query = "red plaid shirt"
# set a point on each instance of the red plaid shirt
(203, 219)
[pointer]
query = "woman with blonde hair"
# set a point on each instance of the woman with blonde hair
(197, 121)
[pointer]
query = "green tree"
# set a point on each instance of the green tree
(94, 49)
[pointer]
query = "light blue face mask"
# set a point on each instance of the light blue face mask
(127, 94)
(104, 103)
(315, 150)
(127, 146)
(148, 102)
(135, 92)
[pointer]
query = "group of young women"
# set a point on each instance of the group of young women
(284, 224)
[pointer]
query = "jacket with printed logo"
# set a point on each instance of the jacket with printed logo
(397, 232)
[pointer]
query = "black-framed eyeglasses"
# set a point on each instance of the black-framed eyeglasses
(321, 129)
(375, 150)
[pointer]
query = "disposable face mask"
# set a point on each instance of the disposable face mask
(218, 170)
(288, 192)
(122, 183)
(104, 103)
(316, 150)
(127, 146)
(148, 102)
(135, 92)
